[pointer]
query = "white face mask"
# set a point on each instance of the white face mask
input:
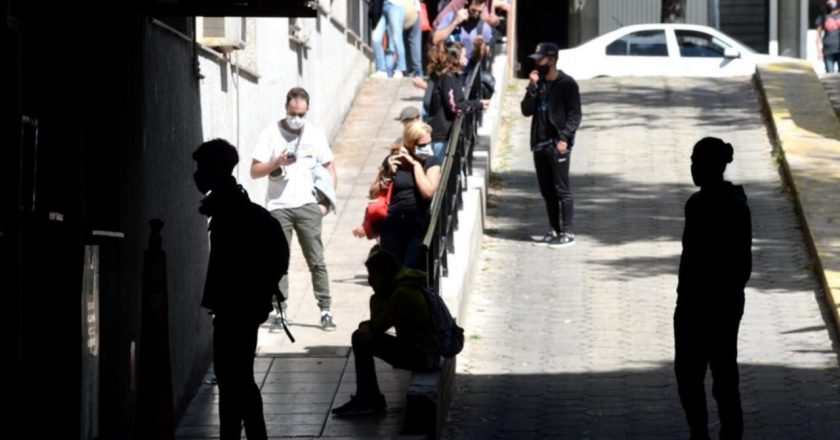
(424, 150)
(295, 122)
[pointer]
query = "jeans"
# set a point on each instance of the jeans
(701, 340)
(234, 349)
(413, 38)
(402, 236)
(553, 178)
(831, 60)
(439, 147)
(392, 17)
(391, 350)
(306, 220)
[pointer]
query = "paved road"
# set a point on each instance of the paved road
(577, 343)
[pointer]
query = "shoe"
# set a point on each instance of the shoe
(565, 239)
(327, 323)
(545, 239)
(397, 75)
(380, 74)
(360, 406)
(280, 317)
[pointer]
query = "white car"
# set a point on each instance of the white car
(662, 50)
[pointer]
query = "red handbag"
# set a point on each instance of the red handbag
(425, 26)
(376, 212)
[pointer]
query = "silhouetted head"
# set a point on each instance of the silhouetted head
(709, 159)
(382, 267)
(214, 164)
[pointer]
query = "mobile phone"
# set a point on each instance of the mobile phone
(291, 155)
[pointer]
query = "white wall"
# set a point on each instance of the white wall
(237, 106)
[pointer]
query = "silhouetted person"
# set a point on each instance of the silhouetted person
(715, 266)
(398, 301)
(248, 256)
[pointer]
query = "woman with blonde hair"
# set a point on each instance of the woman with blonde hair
(414, 172)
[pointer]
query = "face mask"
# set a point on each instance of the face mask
(295, 122)
(830, 6)
(473, 18)
(543, 70)
(424, 150)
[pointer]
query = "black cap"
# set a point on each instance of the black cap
(545, 49)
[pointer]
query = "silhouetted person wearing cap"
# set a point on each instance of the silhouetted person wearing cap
(553, 99)
(248, 256)
(714, 269)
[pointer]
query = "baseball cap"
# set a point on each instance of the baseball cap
(545, 49)
(409, 112)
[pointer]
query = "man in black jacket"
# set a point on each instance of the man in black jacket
(248, 256)
(553, 99)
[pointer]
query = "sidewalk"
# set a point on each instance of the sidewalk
(301, 382)
(808, 134)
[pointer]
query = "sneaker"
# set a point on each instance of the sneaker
(397, 75)
(327, 323)
(360, 406)
(545, 239)
(380, 74)
(281, 317)
(565, 239)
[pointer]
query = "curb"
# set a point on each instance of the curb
(781, 105)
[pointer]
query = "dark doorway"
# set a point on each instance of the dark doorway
(536, 22)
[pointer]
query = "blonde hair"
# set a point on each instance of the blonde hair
(413, 133)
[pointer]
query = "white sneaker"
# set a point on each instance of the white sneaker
(380, 74)
(397, 75)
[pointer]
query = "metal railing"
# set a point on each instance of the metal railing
(447, 201)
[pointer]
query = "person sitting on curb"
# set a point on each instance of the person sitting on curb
(398, 302)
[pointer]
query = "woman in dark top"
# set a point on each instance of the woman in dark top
(447, 98)
(415, 172)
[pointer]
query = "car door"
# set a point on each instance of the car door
(639, 53)
(705, 54)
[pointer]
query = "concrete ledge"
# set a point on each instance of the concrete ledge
(807, 132)
(427, 402)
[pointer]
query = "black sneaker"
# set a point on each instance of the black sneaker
(545, 239)
(565, 239)
(361, 406)
(327, 323)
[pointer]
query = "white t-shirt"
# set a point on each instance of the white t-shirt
(295, 188)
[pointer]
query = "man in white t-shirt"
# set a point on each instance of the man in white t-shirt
(288, 151)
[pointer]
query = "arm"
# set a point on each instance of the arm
(448, 25)
(426, 181)
(262, 169)
(571, 97)
(819, 42)
(453, 98)
(330, 166)
(379, 184)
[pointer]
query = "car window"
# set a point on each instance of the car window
(642, 43)
(694, 44)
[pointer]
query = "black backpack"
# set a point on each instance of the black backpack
(449, 337)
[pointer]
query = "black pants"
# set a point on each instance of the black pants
(391, 350)
(708, 340)
(234, 349)
(553, 177)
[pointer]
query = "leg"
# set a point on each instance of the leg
(287, 222)
(415, 258)
(545, 179)
(414, 41)
(563, 188)
(377, 34)
(690, 370)
(308, 228)
(366, 384)
(724, 366)
(395, 15)
(393, 238)
(253, 405)
(224, 366)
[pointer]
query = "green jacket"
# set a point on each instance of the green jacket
(404, 308)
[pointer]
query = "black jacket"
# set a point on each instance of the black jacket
(716, 259)
(564, 102)
(248, 255)
(448, 102)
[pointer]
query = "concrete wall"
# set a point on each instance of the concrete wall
(232, 97)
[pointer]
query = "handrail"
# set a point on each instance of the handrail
(447, 199)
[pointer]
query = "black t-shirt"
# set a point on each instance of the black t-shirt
(405, 197)
(545, 129)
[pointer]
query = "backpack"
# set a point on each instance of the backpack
(449, 337)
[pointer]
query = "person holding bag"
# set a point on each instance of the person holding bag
(413, 174)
